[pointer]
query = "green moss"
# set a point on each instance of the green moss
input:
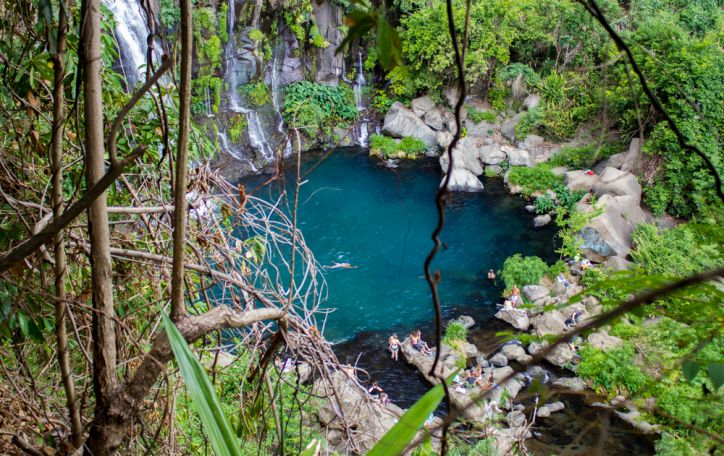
(256, 93)
(256, 35)
(237, 126)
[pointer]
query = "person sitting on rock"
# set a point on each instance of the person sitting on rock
(573, 319)
(419, 344)
(384, 399)
(393, 345)
(375, 390)
(473, 376)
(487, 384)
(513, 300)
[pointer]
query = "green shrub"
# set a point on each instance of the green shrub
(515, 70)
(521, 271)
(528, 122)
(566, 198)
(256, 93)
(614, 371)
(455, 331)
(314, 107)
(384, 145)
(256, 35)
(480, 116)
(559, 267)
(544, 204)
(411, 145)
(237, 126)
(581, 157)
(536, 179)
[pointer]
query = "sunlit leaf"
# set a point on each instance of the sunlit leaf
(202, 393)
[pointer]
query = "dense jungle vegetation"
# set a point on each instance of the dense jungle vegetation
(114, 216)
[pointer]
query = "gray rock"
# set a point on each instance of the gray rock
(632, 161)
(401, 122)
(466, 156)
(530, 208)
(549, 323)
(543, 412)
(542, 220)
(535, 292)
(531, 101)
(559, 170)
(462, 180)
(574, 384)
(556, 406)
(618, 183)
(443, 138)
(499, 360)
(328, 18)
(533, 144)
(433, 119)
(536, 347)
(492, 154)
(525, 359)
(517, 318)
(579, 180)
(479, 130)
(501, 373)
(465, 320)
(508, 127)
(616, 263)
(512, 352)
(604, 341)
(515, 418)
(452, 95)
(420, 106)
(614, 161)
(518, 157)
(609, 234)
(561, 355)
(482, 362)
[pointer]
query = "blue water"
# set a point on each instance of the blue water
(380, 220)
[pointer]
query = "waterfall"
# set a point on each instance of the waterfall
(359, 85)
(279, 48)
(233, 71)
(131, 34)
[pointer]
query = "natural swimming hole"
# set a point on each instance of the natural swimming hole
(379, 220)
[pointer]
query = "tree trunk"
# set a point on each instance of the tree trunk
(178, 307)
(103, 329)
(61, 264)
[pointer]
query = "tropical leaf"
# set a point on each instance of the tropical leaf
(716, 374)
(690, 369)
(402, 433)
(202, 393)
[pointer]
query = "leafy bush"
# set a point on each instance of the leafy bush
(614, 371)
(517, 69)
(455, 331)
(566, 198)
(390, 148)
(237, 126)
(256, 93)
(520, 271)
(528, 122)
(581, 157)
(480, 116)
(544, 204)
(536, 179)
(313, 107)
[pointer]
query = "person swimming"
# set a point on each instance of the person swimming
(491, 275)
(337, 265)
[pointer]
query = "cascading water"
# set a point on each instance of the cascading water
(359, 85)
(234, 71)
(131, 34)
(279, 50)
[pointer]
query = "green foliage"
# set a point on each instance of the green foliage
(520, 70)
(566, 198)
(387, 147)
(256, 93)
(520, 271)
(581, 157)
(455, 331)
(237, 126)
(612, 372)
(570, 225)
(170, 14)
(316, 107)
(412, 146)
(479, 116)
(207, 404)
(366, 18)
(205, 89)
(528, 122)
(536, 179)
(316, 39)
(223, 13)
(544, 204)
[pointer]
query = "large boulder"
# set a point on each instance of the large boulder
(462, 180)
(618, 183)
(434, 119)
(328, 18)
(609, 234)
(574, 384)
(535, 292)
(444, 138)
(420, 106)
(616, 263)
(549, 323)
(452, 95)
(603, 341)
(479, 130)
(512, 352)
(614, 161)
(492, 154)
(517, 318)
(531, 101)
(465, 155)
(541, 220)
(518, 157)
(401, 122)
(561, 355)
(632, 160)
(534, 145)
(499, 360)
(579, 180)
(508, 127)
(465, 320)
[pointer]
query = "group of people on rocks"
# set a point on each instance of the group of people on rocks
(474, 377)
(394, 344)
(376, 392)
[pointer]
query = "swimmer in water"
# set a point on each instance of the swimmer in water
(340, 266)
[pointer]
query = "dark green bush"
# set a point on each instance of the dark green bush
(536, 179)
(480, 116)
(581, 157)
(314, 107)
(544, 204)
(520, 271)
